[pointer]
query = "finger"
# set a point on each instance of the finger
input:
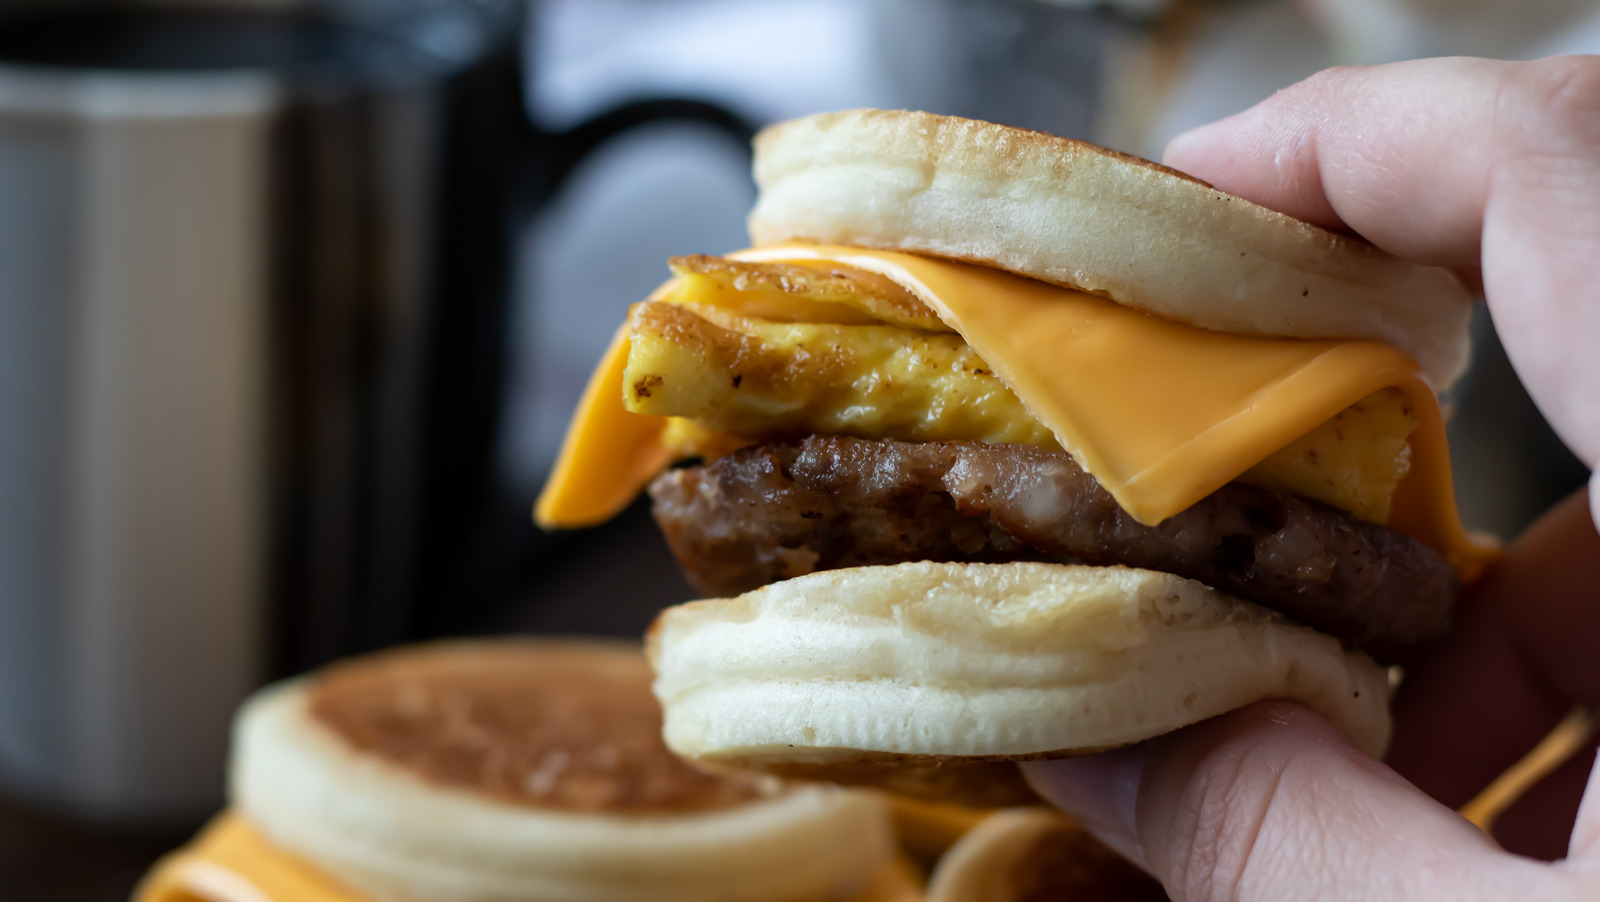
(1399, 153)
(1455, 162)
(1521, 657)
(1585, 845)
(1100, 791)
(1541, 226)
(1271, 803)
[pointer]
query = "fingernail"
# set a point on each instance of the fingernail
(1099, 790)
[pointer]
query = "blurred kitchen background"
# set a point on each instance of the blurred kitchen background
(296, 297)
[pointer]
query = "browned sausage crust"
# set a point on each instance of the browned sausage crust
(779, 510)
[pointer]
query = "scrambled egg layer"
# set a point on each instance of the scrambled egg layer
(796, 293)
(1353, 461)
(864, 366)
(762, 379)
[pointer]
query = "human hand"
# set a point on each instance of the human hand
(1491, 168)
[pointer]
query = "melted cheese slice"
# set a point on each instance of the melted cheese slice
(608, 455)
(1161, 413)
(231, 861)
(927, 830)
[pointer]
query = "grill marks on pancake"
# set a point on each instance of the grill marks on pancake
(565, 729)
(780, 510)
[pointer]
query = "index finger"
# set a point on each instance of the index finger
(1454, 162)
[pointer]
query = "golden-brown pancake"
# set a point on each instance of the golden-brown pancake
(932, 679)
(498, 771)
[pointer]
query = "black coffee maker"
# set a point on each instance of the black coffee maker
(255, 263)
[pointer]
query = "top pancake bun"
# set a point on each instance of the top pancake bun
(1100, 221)
(376, 823)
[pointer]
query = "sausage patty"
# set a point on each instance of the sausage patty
(775, 511)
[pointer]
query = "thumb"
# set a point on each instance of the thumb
(1270, 802)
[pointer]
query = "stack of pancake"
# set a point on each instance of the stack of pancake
(526, 770)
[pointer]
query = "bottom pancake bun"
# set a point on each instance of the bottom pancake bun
(929, 677)
(1030, 853)
(387, 831)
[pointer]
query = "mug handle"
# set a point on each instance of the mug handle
(572, 146)
(504, 545)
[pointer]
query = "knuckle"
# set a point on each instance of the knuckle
(1221, 821)
(1554, 103)
(1331, 84)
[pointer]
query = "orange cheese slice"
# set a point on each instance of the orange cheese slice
(608, 455)
(927, 830)
(897, 881)
(1161, 413)
(231, 861)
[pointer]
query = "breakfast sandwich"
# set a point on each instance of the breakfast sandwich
(999, 446)
(502, 771)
